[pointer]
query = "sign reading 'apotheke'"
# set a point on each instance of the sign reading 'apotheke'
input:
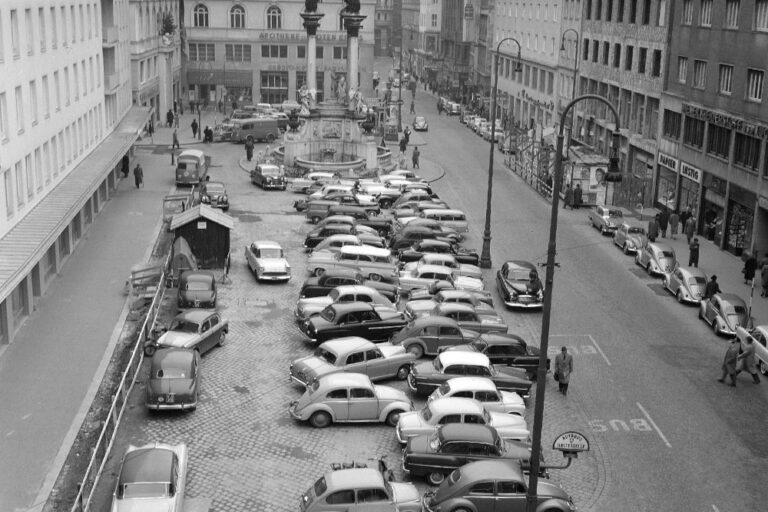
(300, 36)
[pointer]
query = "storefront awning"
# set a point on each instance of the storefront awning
(227, 78)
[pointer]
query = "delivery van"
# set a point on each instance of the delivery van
(191, 167)
(255, 129)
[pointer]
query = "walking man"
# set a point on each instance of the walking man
(577, 196)
(415, 157)
(712, 288)
(746, 360)
(690, 228)
(563, 370)
(653, 229)
(194, 128)
(175, 140)
(403, 144)
(138, 176)
(750, 266)
(729, 361)
(175, 119)
(693, 253)
(249, 149)
(674, 222)
(568, 197)
(664, 222)
(413, 107)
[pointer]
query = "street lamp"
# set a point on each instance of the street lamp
(485, 255)
(573, 81)
(400, 89)
(613, 175)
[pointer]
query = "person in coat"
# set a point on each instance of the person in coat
(674, 223)
(653, 229)
(568, 197)
(138, 175)
(690, 228)
(577, 196)
(563, 369)
(175, 140)
(746, 360)
(403, 144)
(764, 276)
(664, 222)
(730, 361)
(194, 128)
(711, 288)
(693, 253)
(415, 157)
(169, 118)
(249, 149)
(750, 266)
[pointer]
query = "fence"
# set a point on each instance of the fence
(103, 446)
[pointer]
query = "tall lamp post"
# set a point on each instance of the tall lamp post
(400, 88)
(613, 174)
(485, 255)
(575, 71)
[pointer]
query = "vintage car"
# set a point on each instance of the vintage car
(267, 261)
(424, 275)
(420, 124)
(321, 286)
(336, 219)
(369, 321)
(519, 285)
(725, 312)
(428, 376)
(370, 203)
(427, 335)
(334, 243)
(406, 174)
(421, 307)
(477, 320)
(379, 224)
(505, 349)
(214, 193)
(606, 220)
(174, 380)
(422, 247)
(484, 391)
(630, 236)
(197, 329)
(151, 477)
(330, 188)
(312, 182)
(374, 263)
(315, 236)
(414, 196)
(347, 293)
(403, 227)
(349, 398)
(657, 258)
(686, 284)
(446, 260)
(197, 289)
(433, 289)
(449, 218)
(353, 354)
(459, 410)
(269, 177)
(356, 488)
(453, 445)
(494, 485)
(760, 339)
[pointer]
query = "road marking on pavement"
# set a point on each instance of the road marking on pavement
(26, 416)
(654, 425)
(581, 349)
(10, 433)
(715, 508)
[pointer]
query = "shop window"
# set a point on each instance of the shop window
(693, 132)
(301, 52)
(746, 151)
(19, 302)
(672, 122)
(274, 17)
(718, 141)
(200, 16)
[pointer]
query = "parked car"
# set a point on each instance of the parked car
(197, 289)
(458, 410)
(420, 308)
(433, 289)
(374, 263)
(422, 247)
(446, 260)
(428, 376)
(174, 380)
(152, 476)
(334, 243)
(403, 226)
(349, 398)
(369, 203)
(353, 354)
(315, 210)
(506, 349)
(494, 485)
(448, 218)
(605, 219)
(197, 329)
(214, 193)
(427, 335)
(630, 236)
(315, 236)
(320, 286)
(420, 124)
(435, 455)
(687, 284)
(267, 261)
(269, 177)
(312, 182)
(381, 224)
(307, 307)
(519, 285)
(353, 319)
(760, 337)
(424, 275)
(657, 258)
(484, 391)
(725, 312)
(477, 320)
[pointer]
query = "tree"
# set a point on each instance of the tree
(167, 25)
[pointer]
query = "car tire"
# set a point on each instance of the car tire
(436, 478)
(392, 418)
(679, 296)
(320, 419)
(222, 338)
(149, 350)
(416, 350)
(403, 371)
(462, 509)
(319, 271)
(374, 277)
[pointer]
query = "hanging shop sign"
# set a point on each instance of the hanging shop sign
(690, 172)
(667, 161)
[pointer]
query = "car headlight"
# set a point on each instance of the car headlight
(205, 199)
(630, 244)
(223, 199)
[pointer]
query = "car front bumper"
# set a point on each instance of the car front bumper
(524, 303)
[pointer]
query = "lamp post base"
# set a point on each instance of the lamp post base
(485, 254)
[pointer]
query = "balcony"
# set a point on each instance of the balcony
(109, 36)
(111, 82)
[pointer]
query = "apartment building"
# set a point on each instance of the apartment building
(66, 130)
(458, 33)
(421, 32)
(382, 28)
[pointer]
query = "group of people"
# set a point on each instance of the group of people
(668, 218)
(573, 196)
(207, 132)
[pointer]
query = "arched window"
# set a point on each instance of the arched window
(237, 17)
(274, 17)
(200, 16)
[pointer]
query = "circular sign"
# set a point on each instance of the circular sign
(570, 443)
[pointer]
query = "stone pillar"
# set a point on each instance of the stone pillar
(352, 23)
(311, 23)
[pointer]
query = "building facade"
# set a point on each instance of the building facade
(256, 51)
(713, 152)
(382, 28)
(458, 29)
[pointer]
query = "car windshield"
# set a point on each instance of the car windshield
(328, 314)
(698, 280)
(325, 355)
(734, 309)
(666, 254)
(270, 171)
(636, 230)
(184, 326)
(320, 486)
(426, 413)
(519, 275)
(199, 285)
(146, 490)
(216, 188)
(270, 253)
(614, 213)
(170, 373)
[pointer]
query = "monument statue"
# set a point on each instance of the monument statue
(310, 6)
(341, 90)
(305, 99)
(353, 6)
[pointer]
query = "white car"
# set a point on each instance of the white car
(459, 410)
(446, 260)
(760, 337)
(308, 306)
(152, 477)
(267, 261)
(334, 243)
(484, 391)
(424, 275)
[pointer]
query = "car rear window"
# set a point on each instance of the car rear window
(667, 254)
(615, 213)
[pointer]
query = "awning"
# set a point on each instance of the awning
(26, 243)
(227, 78)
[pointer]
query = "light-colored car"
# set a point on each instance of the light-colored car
(630, 236)
(334, 243)
(197, 329)
(266, 260)
(329, 188)
(760, 337)
(353, 354)
(605, 219)
(424, 275)
(446, 260)
(657, 258)
(374, 263)
(484, 391)
(151, 477)
(478, 320)
(420, 124)
(309, 306)
(450, 218)
(421, 308)
(349, 398)
(312, 182)
(686, 284)
(459, 410)
(725, 312)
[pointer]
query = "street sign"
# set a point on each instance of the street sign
(571, 443)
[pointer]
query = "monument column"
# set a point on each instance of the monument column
(353, 22)
(311, 23)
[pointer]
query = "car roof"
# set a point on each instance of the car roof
(346, 343)
(346, 307)
(470, 432)
(491, 470)
(147, 463)
(342, 236)
(266, 244)
(454, 306)
(341, 272)
(438, 256)
(471, 383)
(692, 271)
(435, 268)
(191, 153)
(497, 337)
(423, 321)
(365, 249)
(444, 211)
(520, 264)
(341, 227)
(661, 246)
(434, 243)
(358, 478)
(356, 288)
(732, 298)
(215, 183)
(173, 357)
(345, 379)
(451, 404)
(449, 294)
(206, 275)
(452, 357)
(195, 315)
(633, 223)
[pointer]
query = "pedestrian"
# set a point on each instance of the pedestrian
(413, 107)
(693, 253)
(403, 144)
(439, 107)
(383, 142)
(415, 157)
(175, 119)
(175, 106)
(712, 288)
(690, 228)
(664, 222)
(234, 106)
(249, 149)
(208, 134)
(687, 214)
(169, 118)
(653, 228)
(577, 196)
(194, 128)
(568, 197)
(563, 370)
(674, 223)
(221, 106)
(407, 135)
(730, 361)
(750, 266)
(176, 144)
(138, 176)
(764, 276)
(746, 360)
(151, 130)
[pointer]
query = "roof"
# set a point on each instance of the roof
(520, 264)
(150, 463)
(441, 269)
(173, 357)
(341, 272)
(495, 469)
(451, 294)
(732, 298)
(347, 343)
(438, 256)
(204, 211)
(365, 249)
(346, 379)
(433, 320)
(471, 432)
(452, 357)
(354, 477)
(471, 383)
(192, 153)
(355, 288)
(346, 307)
(661, 246)
(266, 244)
(693, 271)
(496, 337)
(450, 404)
(444, 211)
(454, 306)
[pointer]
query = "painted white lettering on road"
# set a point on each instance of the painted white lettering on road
(592, 349)
(617, 425)
(654, 425)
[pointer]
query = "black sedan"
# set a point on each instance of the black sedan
(315, 236)
(363, 319)
(322, 285)
(428, 334)
(422, 247)
(197, 289)
(174, 379)
(505, 348)
(519, 285)
(214, 193)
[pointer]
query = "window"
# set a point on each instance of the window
(587, 9)
(616, 55)
(29, 171)
(237, 17)
(39, 168)
(585, 49)
(54, 29)
(202, 52)
(274, 86)
(746, 151)
(608, 10)
(595, 50)
(693, 132)
(237, 52)
(33, 101)
(341, 497)
(687, 12)
(73, 21)
(8, 180)
(656, 69)
(82, 23)
(57, 89)
(699, 74)
(705, 13)
(15, 33)
(274, 17)
(726, 79)
(19, 183)
(19, 110)
(628, 55)
(434, 20)
(642, 57)
(620, 12)
(647, 12)
(682, 69)
(200, 16)
(76, 80)
(606, 52)
(754, 85)
(632, 11)
(29, 31)
(340, 52)
(662, 20)
(274, 51)
(43, 31)
(319, 52)
(301, 52)
(732, 13)
(598, 9)
(90, 23)
(718, 140)
(3, 117)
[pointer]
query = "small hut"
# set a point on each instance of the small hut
(206, 230)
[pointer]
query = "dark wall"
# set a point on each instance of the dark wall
(210, 246)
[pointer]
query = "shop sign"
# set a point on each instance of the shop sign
(469, 11)
(667, 161)
(726, 121)
(690, 172)
(303, 67)
(300, 35)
